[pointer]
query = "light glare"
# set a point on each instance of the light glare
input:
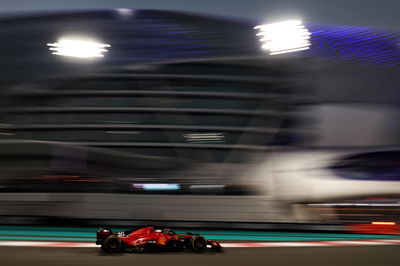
(383, 223)
(78, 48)
(156, 186)
(284, 37)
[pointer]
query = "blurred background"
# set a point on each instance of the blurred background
(256, 114)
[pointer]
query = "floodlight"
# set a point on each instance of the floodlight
(284, 37)
(78, 48)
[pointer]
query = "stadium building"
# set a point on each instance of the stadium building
(180, 103)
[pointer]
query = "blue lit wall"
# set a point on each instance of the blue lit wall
(366, 45)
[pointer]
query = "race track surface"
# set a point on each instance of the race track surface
(315, 256)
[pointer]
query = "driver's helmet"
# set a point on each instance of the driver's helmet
(168, 231)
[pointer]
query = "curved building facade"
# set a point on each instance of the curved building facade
(189, 104)
(175, 96)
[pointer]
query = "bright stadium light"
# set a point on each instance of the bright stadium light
(156, 186)
(284, 37)
(78, 48)
(125, 12)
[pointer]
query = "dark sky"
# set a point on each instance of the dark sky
(383, 13)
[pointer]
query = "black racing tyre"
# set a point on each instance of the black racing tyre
(112, 244)
(198, 244)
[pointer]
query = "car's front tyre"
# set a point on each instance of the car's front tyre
(198, 244)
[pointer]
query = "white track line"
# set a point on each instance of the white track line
(225, 245)
(316, 243)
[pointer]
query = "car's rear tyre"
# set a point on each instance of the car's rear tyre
(112, 244)
(198, 244)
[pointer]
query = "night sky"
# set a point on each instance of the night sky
(383, 14)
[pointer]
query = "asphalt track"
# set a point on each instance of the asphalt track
(317, 256)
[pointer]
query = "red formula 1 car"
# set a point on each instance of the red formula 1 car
(147, 238)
